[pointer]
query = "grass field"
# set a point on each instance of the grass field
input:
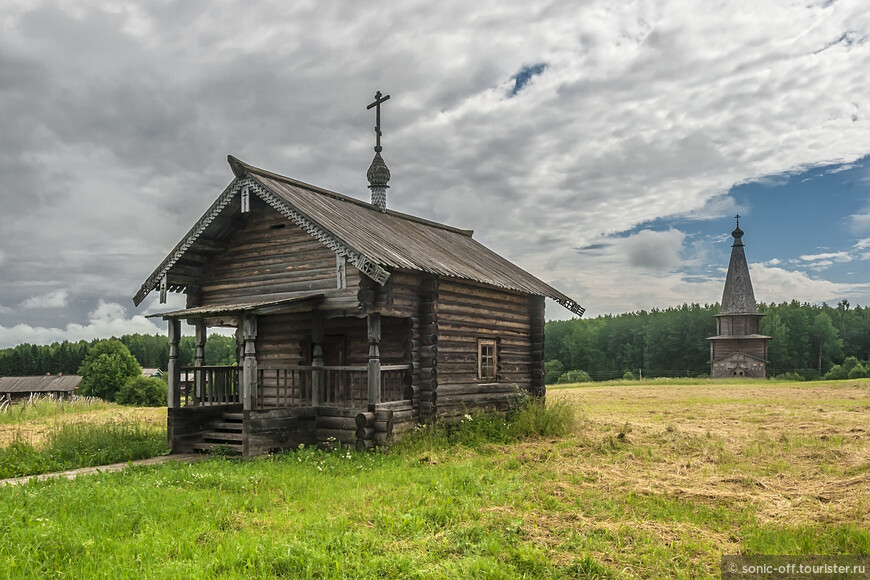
(655, 481)
(46, 434)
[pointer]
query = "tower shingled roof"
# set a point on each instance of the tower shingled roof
(738, 297)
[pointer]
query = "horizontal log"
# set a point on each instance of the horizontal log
(393, 406)
(337, 412)
(429, 329)
(383, 426)
(462, 389)
(365, 432)
(457, 290)
(346, 423)
(365, 419)
(404, 416)
(492, 331)
(383, 414)
(474, 399)
(471, 314)
(383, 437)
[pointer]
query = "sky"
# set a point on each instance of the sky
(605, 146)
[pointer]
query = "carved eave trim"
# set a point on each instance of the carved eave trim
(153, 281)
(571, 305)
(368, 267)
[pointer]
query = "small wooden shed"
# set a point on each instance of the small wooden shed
(58, 385)
(353, 322)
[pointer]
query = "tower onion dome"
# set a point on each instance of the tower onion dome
(378, 173)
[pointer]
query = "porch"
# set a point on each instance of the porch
(291, 384)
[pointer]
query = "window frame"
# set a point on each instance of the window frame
(492, 374)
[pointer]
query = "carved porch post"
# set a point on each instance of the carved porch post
(174, 370)
(199, 361)
(316, 358)
(374, 332)
(249, 363)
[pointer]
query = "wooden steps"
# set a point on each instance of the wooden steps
(219, 447)
(226, 436)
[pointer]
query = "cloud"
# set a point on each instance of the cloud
(653, 250)
(107, 319)
(860, 222)
(118, 117)
(774, 284)
(54, 299)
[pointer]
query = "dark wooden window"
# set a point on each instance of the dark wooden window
(486, 360)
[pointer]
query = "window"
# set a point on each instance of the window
(487, 362)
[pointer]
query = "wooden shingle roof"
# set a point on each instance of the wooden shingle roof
(40, 384)
(372, 240)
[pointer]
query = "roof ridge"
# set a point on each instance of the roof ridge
(240, 168)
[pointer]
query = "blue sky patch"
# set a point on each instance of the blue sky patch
(522, 78)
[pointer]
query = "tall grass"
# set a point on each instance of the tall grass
(531, 417)
(46, 406)
(76, 445)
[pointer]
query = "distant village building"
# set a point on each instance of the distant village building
(738, 349)
(354, 322)
(152, 373)
(58, 385)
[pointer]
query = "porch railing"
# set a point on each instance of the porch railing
(343, 386)
(394, 379)
(278, 388)
(210, 385)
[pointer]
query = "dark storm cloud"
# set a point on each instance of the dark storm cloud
(118, 118)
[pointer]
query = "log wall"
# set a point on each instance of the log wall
(466, 313)
(752, 347)
(277, 429)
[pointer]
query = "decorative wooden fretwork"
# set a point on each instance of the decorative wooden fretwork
(572, 306)
(366, 266)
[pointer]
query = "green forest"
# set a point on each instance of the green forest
(806, 341)
(152, 351)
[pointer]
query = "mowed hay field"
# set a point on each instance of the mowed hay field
(655, 481)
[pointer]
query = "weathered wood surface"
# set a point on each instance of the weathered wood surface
(263, 259)
(278, 429)
(468, 313)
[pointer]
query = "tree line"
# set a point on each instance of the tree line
(806, 339)
(150, 351)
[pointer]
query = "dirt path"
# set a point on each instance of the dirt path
(72, 474)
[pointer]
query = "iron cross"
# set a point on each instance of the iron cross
(737, 217)
(378, 100)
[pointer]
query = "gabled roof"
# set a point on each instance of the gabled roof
(372, 240)
(40, 384)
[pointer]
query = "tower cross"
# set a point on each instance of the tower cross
(737, 217)
(378, 100)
